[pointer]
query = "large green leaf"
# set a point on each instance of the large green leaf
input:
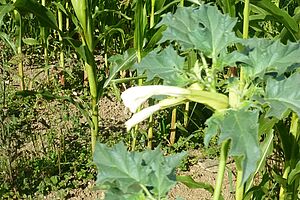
(129, 171)
(120, 62)
(45, 16)
(203, 28)
(167, 65)
(241, 127)
(283, 95)
(270, 56)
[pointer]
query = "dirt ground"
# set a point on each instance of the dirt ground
(113, 116)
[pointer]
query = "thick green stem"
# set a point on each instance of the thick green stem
(245, 36)
(91, 71)
(221, 170)
(84, 16)
(239, 187)
(152, 13)
(181, 3)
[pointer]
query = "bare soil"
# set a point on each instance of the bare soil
(205, 170)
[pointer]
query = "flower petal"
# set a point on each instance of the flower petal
(142, 115)
(135, 96)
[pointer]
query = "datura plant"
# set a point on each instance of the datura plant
(246, 108)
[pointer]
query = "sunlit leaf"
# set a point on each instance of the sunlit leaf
(203, 28)
(241, 128)
(270, 56)
(283, 95)
(167, 65)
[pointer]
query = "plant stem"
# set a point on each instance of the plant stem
(245, 35)
(282, 192)
(181, 3)
(173, 127)
(186, 114)
(150, 132)
(45, 46)
(221, 170)
(61, 54)
(152, 13)
(19, 48)
(147, 192)
(239, 191)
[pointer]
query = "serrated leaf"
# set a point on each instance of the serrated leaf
(283, 95)
(124, 173)
(163, 177)
(167, 65)
(270, 56)
(120, 62)
(120, 166)
(204, 28)
(241, 127)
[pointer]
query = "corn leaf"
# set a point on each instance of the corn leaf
(279, 14)
(241, 128)
(7, 40)
(283, 95)
(203, 28)
(270, 56)
(295, 174)
(4, 9)
(191, 183)
(167, 65)
(45, 16)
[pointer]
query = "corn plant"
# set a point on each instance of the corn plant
(264, 93)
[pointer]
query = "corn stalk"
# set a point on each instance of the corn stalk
(61, 53)
(19, 34)
(83, 12)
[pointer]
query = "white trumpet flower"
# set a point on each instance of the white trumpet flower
(147, 112)
(134, 97)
